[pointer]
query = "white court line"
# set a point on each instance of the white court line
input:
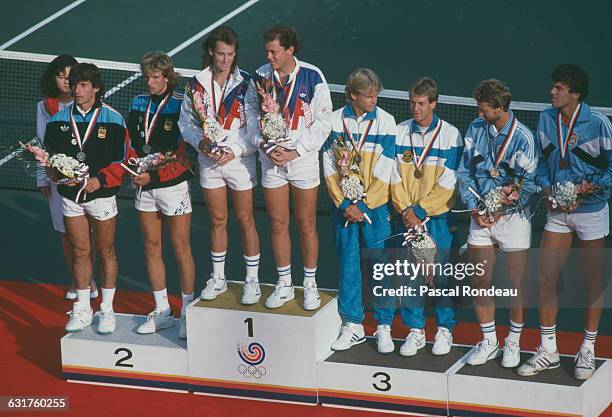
(185, 44)
(41, 24)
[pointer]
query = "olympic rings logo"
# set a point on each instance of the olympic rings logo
(252, 371)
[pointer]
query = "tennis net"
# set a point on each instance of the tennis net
(20, 92)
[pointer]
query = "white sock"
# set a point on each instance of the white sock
(309, 275)
(187, 299)
(514, 335)
(488, 331)
(108, 295)
(548, 336)
(589, 340)
(252, 266)
(161, 300)
(218, 262)
(284, 274)
(83, 298)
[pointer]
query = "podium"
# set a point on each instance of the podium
(153, 361)
(259, 353)
(490, 390)
(363, 378)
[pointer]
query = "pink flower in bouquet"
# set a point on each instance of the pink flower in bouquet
(198, 104)
(585, 188)
(40, 155)
(345, 160)
(269, 105)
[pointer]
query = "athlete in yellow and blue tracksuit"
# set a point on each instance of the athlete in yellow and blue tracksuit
(374, 135)
(429, 190)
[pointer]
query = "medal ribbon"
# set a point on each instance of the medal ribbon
(75, 130)
(420, 160)
(361, 139)
(149, 128)
(284, 88)
(504, 147)
(212, 94)
(563, 143)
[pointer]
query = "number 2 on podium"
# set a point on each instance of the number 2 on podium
(249, 322)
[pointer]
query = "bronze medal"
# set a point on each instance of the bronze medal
(101, 132)
(417, 173)
(564, 164)
(494, 172)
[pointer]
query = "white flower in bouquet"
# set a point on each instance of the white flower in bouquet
(422, 246)
(214, 131)
(352, 188)
(66, 165)
(273, 127)
(564, 195)
(494, 200)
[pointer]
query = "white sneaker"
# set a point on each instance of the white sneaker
(280, 296)
(443, 342)
(214, 286)
(539, 362)
(511, 354)
(312, 300)
(251, 292)
(483, 352)
(182, 333)
(80, 317)
(584, 364)
(351, 334)
(156, 320)
(106, 319)
(414, 341)
(383, 339)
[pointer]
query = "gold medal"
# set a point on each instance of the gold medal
(101, 132)
(168, 125)
(407, 156)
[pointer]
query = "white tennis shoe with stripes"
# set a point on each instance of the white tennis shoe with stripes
(584, 364)
(540, 361)
(351, 334)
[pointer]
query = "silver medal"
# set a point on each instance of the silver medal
(81, 156)
(146, 148)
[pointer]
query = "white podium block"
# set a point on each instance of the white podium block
(363, 378)
(490, 390)
(259, 353)
(153, 361)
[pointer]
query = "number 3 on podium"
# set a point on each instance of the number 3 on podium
(382, 381)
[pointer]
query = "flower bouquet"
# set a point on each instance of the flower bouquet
(422, 246)
(498, 200)
(214, 137)
(62, 169)
(273, 125)
(568, 194)
(345, 159)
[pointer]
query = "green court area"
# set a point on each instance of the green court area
(458, 43)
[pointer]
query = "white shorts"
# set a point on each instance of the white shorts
(301, 173)
(510, 233)
(171, 201)
(588, 226)
(100, 208)
(239, 174)
(56, 201)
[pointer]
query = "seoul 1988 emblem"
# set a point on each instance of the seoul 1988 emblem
(252, 355)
